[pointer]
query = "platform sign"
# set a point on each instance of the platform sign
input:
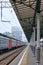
(9, 43)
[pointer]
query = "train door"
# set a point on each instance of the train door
(9, 44)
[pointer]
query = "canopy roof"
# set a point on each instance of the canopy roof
(25, 12)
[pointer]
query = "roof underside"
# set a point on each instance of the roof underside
(24, 10)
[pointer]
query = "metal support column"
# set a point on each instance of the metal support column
(38, 5)
(38, 39)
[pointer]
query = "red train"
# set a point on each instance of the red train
(9, 42)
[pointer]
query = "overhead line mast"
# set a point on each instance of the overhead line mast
(4, 4)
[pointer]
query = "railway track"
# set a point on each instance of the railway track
(8, 59)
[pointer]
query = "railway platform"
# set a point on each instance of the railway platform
(26, 57)
(30, 59)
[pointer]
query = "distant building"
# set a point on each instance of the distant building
(17, 32)
(9, 34)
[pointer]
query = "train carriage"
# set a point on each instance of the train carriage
(3, 43)
(7, 42)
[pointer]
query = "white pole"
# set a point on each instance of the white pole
(34, 40)
(38, 38)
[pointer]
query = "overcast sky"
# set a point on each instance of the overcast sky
(9, 15)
